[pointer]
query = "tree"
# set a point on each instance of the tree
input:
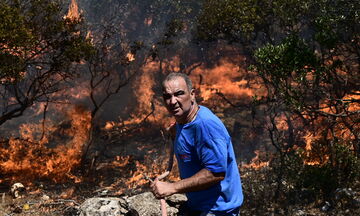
(109, 70)
(307, 54)
(38, 48)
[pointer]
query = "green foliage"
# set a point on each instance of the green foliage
(314, 63)
(326, 21)
(230, 19)
(13, 33)
(307, 55)
(283, 59)
(301, 82)
(322, 178)
(336, 21)
(347, 164)
(37, 28)
(38, 46)
(245, 20)
(319, 179)
(173, 28)
(10, 67)
(287, 68)
(13, 30)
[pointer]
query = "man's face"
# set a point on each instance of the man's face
(178, 98)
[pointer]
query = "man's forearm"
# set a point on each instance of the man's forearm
(200, 181)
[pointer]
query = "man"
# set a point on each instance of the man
(204, 152)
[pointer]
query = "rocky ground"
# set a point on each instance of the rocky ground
(87, 199)
(115, 185)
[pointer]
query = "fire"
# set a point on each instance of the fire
(257, 162)
(73, 12)
(150, 168)
(138, 177)
(354, 106)
(144, 94)
(121, 161)
(148, 107)
(322, 133)
(227, 78)
(27, 158)
(281, 122)
(148, 21)
(78, 92)
(309, 158)
(109, 125)
(130, 57)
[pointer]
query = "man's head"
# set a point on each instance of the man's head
(179, 96)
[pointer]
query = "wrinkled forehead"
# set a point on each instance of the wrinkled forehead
(174, 85)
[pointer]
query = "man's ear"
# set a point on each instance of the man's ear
(192, 94)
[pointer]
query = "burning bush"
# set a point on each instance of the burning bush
(322, 178)
(27, 158)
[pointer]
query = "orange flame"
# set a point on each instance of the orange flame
(148, 21)
(225, 77)
(130, 57)
(148, 106)
(323, 134)
(27, 158)
(73, 12)
(151, 168)
(281, 122)
(257, 162)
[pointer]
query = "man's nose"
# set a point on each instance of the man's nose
(173, 100)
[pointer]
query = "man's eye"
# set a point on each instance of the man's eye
(166, 96)
(179, 93)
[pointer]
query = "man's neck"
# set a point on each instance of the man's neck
(191, 115)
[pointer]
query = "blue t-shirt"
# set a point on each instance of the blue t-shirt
(205, 143)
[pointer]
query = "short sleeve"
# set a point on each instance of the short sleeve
(213, 155)
(212, 149)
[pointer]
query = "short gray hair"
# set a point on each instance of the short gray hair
(175, 75)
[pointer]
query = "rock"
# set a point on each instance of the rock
(176, 200)
(104, 206)
(17, 190)
(144, 204)
(71, 211)
(344, 193)
(147, 205)
(326, 207)
(346, 197)
(300, 213)
(104, 193)
(45, 197)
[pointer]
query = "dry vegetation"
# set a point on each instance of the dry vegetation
(121, 160)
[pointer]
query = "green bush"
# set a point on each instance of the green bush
(340, 170)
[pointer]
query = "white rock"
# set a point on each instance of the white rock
(45, 197)
(300, 213)
(104, 206)
(326, 207)
(17, 189)
(146, 204)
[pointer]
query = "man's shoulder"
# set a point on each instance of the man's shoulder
(205, 113)
(207, 116)
(208, 120)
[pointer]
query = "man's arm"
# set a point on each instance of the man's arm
(200, 181)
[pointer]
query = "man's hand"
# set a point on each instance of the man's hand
(162, 189)
(171, 130)
(200, 181)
